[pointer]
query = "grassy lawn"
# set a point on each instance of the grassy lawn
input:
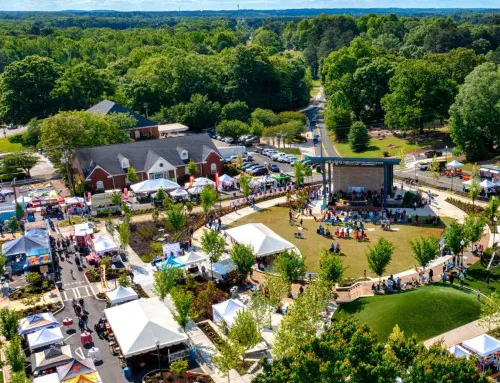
(295, 151)
(6, 146)
(316, 83)
(424, 312)
(476, 279)
(377, 147)
(314, 92)
(355, 260)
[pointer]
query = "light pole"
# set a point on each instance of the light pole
(452, 175)
(446, 153)
(13, 183)
(494, 228)
(473, 199)
(462, 243)
(157, 343)
(416, 175)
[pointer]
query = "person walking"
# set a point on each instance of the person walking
(431, 274)
(452, 278)
(74, 303)
(81, 325)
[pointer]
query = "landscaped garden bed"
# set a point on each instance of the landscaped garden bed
(169, 376)
(49, 307)
(33, 289)
(94, 276)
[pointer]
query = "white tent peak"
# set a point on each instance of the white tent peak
(138, 324)
(263, 240)
(191, 257)
(45, 337)
(454, 164)
(226, 311)
(103, 244)
(149, 186)
(122, 294)
(483, 345)
(202, 181)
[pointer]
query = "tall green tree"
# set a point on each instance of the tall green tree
(490, 312)
(192, 168)
(454, 235)
(14, 354)
(213, 245)
(232, 128)
(124, 233)
(245, 185)
(81, 86)
(331, 267)
(236, 110)
(24, 160)
(299, 173)
(8, 322)
(420, 92)
(175, 219)
(208, 197)
(25, 89)
(338, 120)
(379, 256)
(425, 250)
(244, 331)
(164, 281)
(474, 228)
(228, 358)
(291, 266)
(244, 258)
(132, 175)
(359, 139)
(183, 302)
(475, 114)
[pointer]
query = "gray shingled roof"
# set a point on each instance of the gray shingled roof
(143, 154)
(108, 107)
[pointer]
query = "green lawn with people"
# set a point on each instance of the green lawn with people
(424, 312)
(353, 252)
(6, 146)
(476, 278)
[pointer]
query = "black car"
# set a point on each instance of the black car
(273, 167)
(260, 172)
(432, 153)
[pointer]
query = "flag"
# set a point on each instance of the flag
(125, 194)
(191, 180)
(217, 180)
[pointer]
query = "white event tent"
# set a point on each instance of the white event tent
(139, 324)
(482, 345)
(191, 258)
(459, 351)
(104, 244)
(226, 311)
(50, 378)
(36, 322)
(202, 181)
(226, 180)
(150, 186)
(454, 164)
(178, 193)
(121, 295)
(45, 337)
(486, 184)
(263, 240)
(197, 189)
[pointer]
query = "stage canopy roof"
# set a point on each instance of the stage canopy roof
(23, 245)
(482, 345)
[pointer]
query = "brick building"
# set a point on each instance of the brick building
(105, 167)
(144, 127)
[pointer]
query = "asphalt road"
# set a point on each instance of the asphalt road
(12, 132)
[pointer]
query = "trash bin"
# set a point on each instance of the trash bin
(59, 285)
(192, 354)
(127, 372)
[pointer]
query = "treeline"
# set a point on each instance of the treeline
(406, 73)
(157, 72)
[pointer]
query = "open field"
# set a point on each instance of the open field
(6, 146)
(355, 260)
(424, 312)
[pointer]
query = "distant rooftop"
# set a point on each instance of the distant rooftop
(107, 107)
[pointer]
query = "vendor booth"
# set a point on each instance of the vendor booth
(226, 311)
(170, 263)
(26, 252)
(74, 371)
(223, 269)
(121, 295)
(143, 325)
(226, 182)
(37, 322)
(459, 351)
(179, 194)
(196, 190)
(50, 378)
(483, 345)
(202, 181)
(51, 358)
(103, 245)
(45, 337)
(84, 232)
(150, 186)
(192, 258)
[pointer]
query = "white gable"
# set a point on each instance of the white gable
(160, 165)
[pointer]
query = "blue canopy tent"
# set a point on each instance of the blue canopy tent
(36, 322)
(223, 268)
(171, 263)
(19, 250)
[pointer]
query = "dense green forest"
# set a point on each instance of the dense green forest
(405, 71)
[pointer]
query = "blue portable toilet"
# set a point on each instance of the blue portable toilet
(127, 372)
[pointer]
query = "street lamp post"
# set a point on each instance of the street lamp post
(210, 256)
(157, 343)
(446, 153)
(462, 243)
(416, 175)
(494, 228)
(14, 187)
(452, 175)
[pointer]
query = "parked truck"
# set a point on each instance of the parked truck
(228, 151)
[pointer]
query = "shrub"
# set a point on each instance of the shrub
(146, 232)
(179, 367)
(465, 206)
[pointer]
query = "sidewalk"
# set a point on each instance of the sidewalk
(457, 335)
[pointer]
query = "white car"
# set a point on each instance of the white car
(271, 153)
(292, 160)
(276, 155)
(282, 158)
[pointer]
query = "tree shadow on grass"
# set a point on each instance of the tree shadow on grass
(352, 308)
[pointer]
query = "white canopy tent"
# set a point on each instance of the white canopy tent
(139, 324)
(226, 180)
(74, 200)
(202, 181)
(150, 186)
(45, 337)
(196, 189)
(83, 229)
(121, 295)
(36, 322)
(454, 164)
(178, 193)
(104, 244)
(50, 378)
(459, 352)
(23, 199)
(482, 345)
(263, 240)
(486, 184)
(192, 258)
(226, 311)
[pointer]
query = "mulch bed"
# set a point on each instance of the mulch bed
(49, 307)
(168, 376)
(30, 290)
(94, 276)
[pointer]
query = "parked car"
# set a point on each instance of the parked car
(260, 171)
(278, 154)
(273, 167)
(292, 160)
(248, 165)
(432, 153)
(255, 168)
(270, 153)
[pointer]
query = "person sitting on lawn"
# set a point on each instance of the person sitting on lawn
(337, 248)
(332, 247)
(443, 278)
(374, 288)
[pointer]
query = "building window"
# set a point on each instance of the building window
(99, 185)
(213, 168)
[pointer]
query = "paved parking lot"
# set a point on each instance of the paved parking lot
(263, 160)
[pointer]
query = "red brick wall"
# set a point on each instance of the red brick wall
(146, 131)
(212, 159)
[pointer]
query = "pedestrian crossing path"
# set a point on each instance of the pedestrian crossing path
(77, 292)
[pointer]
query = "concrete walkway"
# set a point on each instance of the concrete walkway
(458, 335)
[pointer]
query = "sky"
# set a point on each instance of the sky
(185, 5)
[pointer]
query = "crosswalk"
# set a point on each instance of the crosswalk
(77, 292)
